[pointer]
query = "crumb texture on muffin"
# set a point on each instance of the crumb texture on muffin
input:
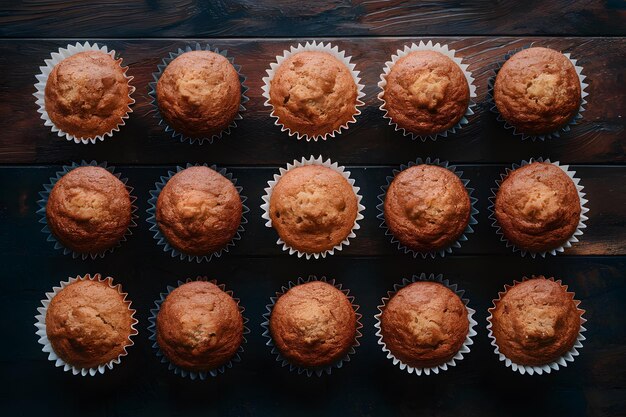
(537, 207)
(313, 324)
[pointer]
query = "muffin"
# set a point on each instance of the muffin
(426, 93)
(87, 94)
(313, 93)
(199, 211)
(427, 208)
(537, 207)
(537, 91)
(313, 325)
(535, 322)
(199, 93)
(313, 208)
(89, 210)
(424, 324)
(89, 324)
(199, 327)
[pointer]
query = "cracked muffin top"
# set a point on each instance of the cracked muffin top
(424, 324)
(89, 210)
(313, 208)
(313, 324)
(87, 94)
(199, 326)
(88, 323)
(426, 93)
(313, 93)
(537, 207)
(199, 211)
(535, 322)
(537, 90)
(199, 93)
(427, 207)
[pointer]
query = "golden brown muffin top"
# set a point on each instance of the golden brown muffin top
(313, 208)
(313, 324)
(424, 324)
(427, 207)
(87, 94)
(199, 93)
(537, 207)
(199, 211)
(313, 93)
(88, 323)
(199, 326)
(426, 93)
(535, 322)
(89, 210)
(537, 90)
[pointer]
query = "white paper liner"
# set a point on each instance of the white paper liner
(465, 348)
(547, 368)
(319, 371)
(581, 197)
(321, 47)
(513, 129)
(40, 324)
(45, 194)
(312, 161)
(468, 229)
(42, 79)
(154, 102)
(162, 240)
(429, 46)
(202, 375)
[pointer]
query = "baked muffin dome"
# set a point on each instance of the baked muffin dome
(199, 326)
(424, 324)
(89, 210)
(537, 207)
(88, 323)
(537, 90)
(313, 325)
(87, 94)
(199, 93)
(313, 208)
(199, 211)
(535, 322)
(426, 93)
(427, 207)
(313, 93)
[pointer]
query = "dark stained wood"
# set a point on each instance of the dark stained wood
(599, 138)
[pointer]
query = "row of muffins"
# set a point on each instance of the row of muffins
(313, 91)
(199, 212)
(198, 328)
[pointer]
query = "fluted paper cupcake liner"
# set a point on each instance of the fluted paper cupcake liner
(153, 94)
(42, 80)
(465, 348)
(581, 197)
(45, 194)
(40, 324)
(429, 46)
(549, 367)
(162, 240)
(566, 128)
(312, 161)
(473, 210)
(320, 47)
(152, 328)
(319, 371)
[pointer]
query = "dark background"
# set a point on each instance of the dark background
(254, 33)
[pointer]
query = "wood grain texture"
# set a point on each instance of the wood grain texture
(227, 18)
(599, 138)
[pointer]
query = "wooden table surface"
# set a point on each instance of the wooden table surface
(254, 33)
